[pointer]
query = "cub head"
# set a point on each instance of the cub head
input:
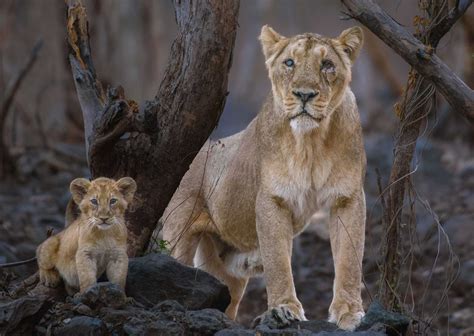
(103, 201)
(309, 73)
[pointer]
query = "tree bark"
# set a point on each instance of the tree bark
(156, 143)
(418, 55)
(413, 110)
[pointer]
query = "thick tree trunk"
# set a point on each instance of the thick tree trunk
(156, 143)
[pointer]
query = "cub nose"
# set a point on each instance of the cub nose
(305, 95)
(104, 218)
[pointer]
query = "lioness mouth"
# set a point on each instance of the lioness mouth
(305, 113)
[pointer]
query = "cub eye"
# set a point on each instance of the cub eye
(289, 63)
(94, 201)
(113, 201)
(327, 65)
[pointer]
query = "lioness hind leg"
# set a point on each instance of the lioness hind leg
(207, 258)
(46, 255)
(183, 219)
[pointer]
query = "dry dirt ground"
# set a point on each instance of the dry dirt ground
(439, 290)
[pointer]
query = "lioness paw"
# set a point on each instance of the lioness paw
(346, 317)
(280, 316)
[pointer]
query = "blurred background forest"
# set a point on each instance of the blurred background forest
(131, 40)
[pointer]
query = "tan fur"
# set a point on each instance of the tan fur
(245, 197)
(94, 243)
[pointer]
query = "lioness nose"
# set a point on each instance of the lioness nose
(305, 96)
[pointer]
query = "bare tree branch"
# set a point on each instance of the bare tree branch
(413, 109)
(419, 56)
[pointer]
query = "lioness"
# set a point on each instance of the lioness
(247, 196)
(95, 242)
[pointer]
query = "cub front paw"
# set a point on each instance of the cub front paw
(50, 279)
(346, 317)
(280, 316)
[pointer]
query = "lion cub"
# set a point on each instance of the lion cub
(95, 242)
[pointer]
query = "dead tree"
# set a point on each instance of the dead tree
(428, 72)
(155, 143)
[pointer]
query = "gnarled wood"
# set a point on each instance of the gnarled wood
(156, 143)
(418, 55)
(413, 110)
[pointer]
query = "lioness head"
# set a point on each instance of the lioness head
(309, 73)
(103, 201)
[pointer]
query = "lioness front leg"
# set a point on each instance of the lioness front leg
(86, 267)
(117, 268)
(347, 233)
(275, 237)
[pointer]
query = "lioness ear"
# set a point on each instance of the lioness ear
(127, 187)
(79, 188)
(352, 40)
(269, 38)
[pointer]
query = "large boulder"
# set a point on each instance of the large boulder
(393, 323)
(158, 277)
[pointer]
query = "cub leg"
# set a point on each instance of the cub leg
(47, 255)
(117, 268)
(275, 237)
(347, 234)
(86, 267)
(207, 258)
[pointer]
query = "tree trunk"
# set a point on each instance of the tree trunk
(413, 110)
(156, 143)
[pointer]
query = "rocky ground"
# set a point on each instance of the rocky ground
(164, 298)
(444, 182)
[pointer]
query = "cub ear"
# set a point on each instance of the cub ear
(269, 38)
(79, 188)
(352, 40)
(127, 187)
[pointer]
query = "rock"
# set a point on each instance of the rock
(318, 330)
(82, 309)
(158, 277)
(169, 306)
(208, 322)
(82, 326)
(19, 317)
(104, 294)
(137, 327)
(395, 323)
(235, 332)
(315, 326)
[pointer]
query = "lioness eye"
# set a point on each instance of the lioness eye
(327, 65)
(289, 62)
(94, 201)
(113, 201)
